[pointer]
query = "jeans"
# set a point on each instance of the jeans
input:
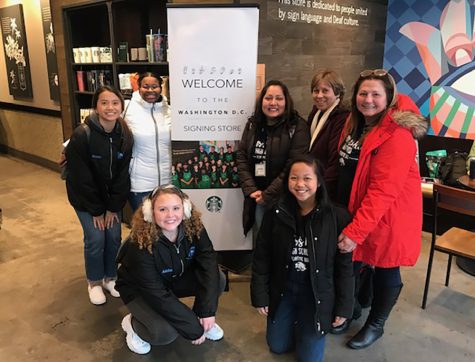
(383, 277)
(136, 198)
(293, 325)
(150, 325)
(100, 248)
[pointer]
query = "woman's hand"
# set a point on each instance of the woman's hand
(345, 244)
(338, 321)
(263, 310)
(99, 222)
(207, 323)
(198, 341)
(109, 219)
(257, 195)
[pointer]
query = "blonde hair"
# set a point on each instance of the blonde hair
(146, 233)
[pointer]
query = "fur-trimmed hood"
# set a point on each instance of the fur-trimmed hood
(407, 115)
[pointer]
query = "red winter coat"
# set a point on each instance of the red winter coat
(386, 199)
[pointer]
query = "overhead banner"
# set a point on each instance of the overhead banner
(212, 65)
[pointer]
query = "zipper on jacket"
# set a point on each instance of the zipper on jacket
(312, 276)
(110, 160)
(177, 248)
(157, 143)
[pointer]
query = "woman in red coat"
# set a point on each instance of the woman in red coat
(385, 198)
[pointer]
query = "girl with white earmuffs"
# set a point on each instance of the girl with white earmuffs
(167, 256)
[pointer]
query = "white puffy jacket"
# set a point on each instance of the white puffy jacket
(150, 124)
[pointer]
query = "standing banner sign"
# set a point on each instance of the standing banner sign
(212, 57)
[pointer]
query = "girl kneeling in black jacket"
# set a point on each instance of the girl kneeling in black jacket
(300, 280)
(167, 256)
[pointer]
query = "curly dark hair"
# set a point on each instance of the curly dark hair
(146, 233)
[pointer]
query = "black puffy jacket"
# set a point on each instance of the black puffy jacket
(98, 169)
(331, 272)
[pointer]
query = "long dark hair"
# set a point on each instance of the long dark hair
(126, 134)
(322, 194)
(289, 111)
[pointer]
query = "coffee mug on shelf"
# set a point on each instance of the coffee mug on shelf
(87, 54)
(95, 55)
(76, 56)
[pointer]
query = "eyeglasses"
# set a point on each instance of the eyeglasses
(375, 72)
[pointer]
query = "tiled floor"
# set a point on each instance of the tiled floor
(45, 313)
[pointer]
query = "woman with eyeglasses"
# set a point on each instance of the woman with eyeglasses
(326, 121)
(273, 136)
(168, 256)
(149, 117)
(378, 153)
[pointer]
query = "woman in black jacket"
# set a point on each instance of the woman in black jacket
(168, 256)
(272, 137)
(300, 280)
(98, 183)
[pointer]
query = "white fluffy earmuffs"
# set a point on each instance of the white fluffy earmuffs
(187, 207)
(147, 209)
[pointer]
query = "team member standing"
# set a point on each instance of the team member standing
(168, 256)
(98, 184)
(300, 280)
(385, 198)
(326, 121)
(149, 117)
(273, 136)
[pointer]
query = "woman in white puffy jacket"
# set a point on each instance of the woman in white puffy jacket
(148, 116)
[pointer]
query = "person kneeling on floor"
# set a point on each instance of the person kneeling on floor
(167, 256)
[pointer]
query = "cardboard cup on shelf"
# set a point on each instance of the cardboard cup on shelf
(95, 55)
(142, 54)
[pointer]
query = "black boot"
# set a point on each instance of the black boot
(383, 302)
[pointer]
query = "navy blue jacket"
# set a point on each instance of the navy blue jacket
(98, 169)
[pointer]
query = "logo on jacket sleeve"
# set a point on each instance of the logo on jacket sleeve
(191, 252)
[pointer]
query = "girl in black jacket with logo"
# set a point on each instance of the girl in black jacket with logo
(168, 256)
(300, 280)
(98, 184)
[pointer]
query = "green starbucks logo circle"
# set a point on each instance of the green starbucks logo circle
(214, 204)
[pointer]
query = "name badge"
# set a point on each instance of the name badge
(260, 170)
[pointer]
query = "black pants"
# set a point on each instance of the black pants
(151, 326)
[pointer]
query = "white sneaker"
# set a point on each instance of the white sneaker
(110, 287)
(215, 333)
(96, 295)
(134, 342)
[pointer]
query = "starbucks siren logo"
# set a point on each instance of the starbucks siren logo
(214, 204)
